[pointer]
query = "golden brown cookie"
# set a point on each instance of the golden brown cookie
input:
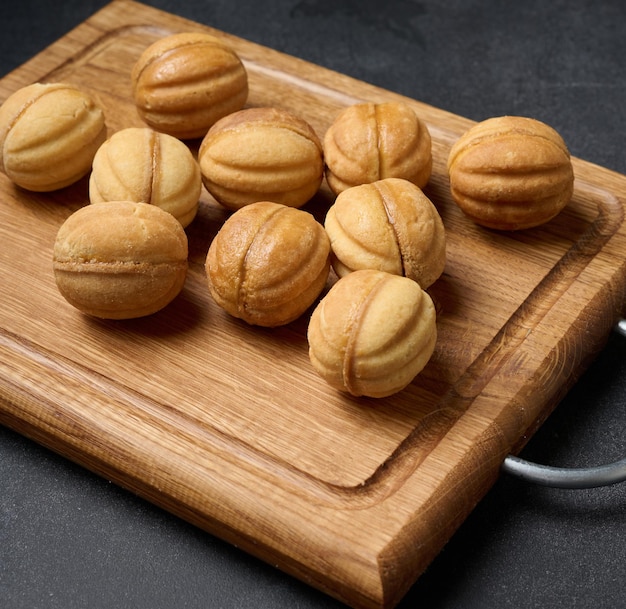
(140, 164)
(261, 154)
(185, 82)
(268, 263)
(389, 225)
(49, 134)
(120, 260)
(369, 142)
(511, 173)
(372, 334)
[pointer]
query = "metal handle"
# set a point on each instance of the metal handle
(570, 478)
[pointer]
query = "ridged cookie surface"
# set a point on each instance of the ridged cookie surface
(372, 333)
(183, 83)
(261, 154)
(369, 142)
(49, 134)
(140, 164)
(268, 263)
(389, 225)
(510, 173)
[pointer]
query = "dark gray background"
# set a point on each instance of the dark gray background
(71, 540)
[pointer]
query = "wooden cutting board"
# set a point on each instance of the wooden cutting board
(228, 426)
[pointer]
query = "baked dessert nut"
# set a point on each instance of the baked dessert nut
(372, 333)
(185, 82)
(369, 142)
(268, 263)
(389, 225)
(49, 134)
(510, 173)
(120, 260)
(140, 164)
(261, 154)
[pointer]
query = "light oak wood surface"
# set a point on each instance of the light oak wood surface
(228, 426)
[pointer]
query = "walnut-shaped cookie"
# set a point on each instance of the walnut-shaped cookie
(369, 142)
(510, 173)
(185, 82)
(389, 225)
(49, 134)
(120, 260)
(261, 154)
(140, 164)
(372, 333)
(268, 263)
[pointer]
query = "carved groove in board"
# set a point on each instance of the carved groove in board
(100, 45)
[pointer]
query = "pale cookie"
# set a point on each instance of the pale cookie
(120, 260)
(372, 334)
(389, 225)
(140, 164)
(49, 134)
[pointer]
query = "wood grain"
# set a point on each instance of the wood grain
(228, 426)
